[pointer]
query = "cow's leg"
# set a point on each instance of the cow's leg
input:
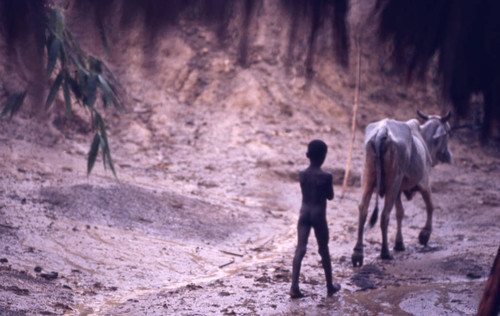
(400, 213)
(357, 256)
(384, 224)
(368, 188)
(425, 233)
(393, 184)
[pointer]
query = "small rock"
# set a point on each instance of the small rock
(38, 269)
(50, 276)
(473, 275)
(263, 279)
(193, 286)
(4, 260)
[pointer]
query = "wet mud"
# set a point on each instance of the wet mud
(96, 246)
(201, 219)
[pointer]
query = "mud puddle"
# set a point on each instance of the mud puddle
(431, 299)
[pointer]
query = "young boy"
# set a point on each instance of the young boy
(317, 187)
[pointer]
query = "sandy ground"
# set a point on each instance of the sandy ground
(202, 217)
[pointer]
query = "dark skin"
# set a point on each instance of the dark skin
(317, 188)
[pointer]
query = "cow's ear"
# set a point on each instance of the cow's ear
(440, 131)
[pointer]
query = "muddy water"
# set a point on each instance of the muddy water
(432, 299)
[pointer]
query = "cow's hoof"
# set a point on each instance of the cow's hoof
(399, 246)
(357, 258)
(424, 236)
(386, 255)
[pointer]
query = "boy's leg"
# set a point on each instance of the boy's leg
(303, 230)
(321, 232)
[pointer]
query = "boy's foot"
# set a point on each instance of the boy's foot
(334, 288)
(296, 294)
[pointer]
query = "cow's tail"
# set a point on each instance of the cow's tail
(379, 148)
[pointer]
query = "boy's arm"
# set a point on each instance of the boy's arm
(330, 194)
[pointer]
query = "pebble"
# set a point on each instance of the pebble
(49, 276)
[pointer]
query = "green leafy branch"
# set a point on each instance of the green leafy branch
(81, 77)
(13, 103)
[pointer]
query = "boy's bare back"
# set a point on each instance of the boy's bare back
(316, 186)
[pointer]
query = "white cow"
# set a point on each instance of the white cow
(398, 159)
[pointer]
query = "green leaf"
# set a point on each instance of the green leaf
(64, 55)
(56, 22)
(99, 124)
(106, 153)
(111, 165)
(104, 38)
(104, 150)
(9, 104)
(95, 64)
(110, 72)
(55, 47)
(91, 90)
(74, 87)
(18, 102)
(13, 103)
(54, 89)
(52, 21)
(78, 62)
(67, 98)
(74, 51)
(108, 93)
(82, 85)
(94, 149)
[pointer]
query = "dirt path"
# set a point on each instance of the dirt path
(202, 219)
(175, 244)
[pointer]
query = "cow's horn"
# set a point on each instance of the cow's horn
(444, 119)
(422, 115)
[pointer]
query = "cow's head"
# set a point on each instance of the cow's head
(435, 132)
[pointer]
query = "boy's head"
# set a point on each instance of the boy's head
(316, 151)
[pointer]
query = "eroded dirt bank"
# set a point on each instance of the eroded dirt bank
(202, 219)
